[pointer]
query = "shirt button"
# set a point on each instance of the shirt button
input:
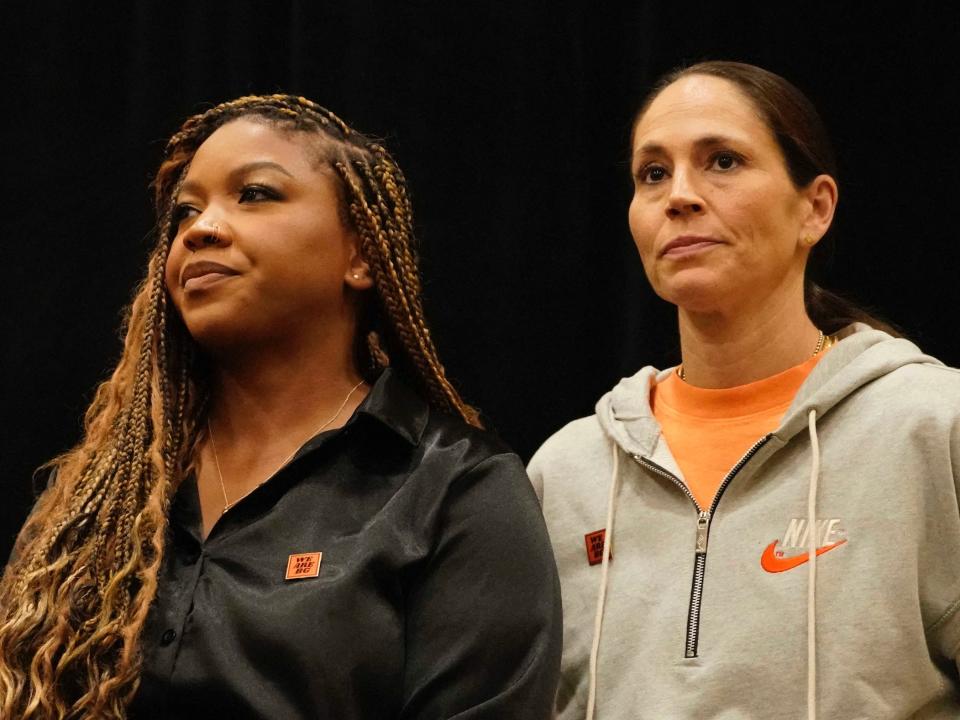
(168, 637)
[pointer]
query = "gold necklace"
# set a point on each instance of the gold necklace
(823, 342)
(216, 458)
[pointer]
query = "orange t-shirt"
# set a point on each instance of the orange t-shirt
(709, 430)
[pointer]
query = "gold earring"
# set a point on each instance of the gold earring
(809, 240)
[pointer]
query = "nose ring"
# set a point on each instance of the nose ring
(213, 237)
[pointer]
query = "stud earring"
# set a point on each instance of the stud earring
(810, 240)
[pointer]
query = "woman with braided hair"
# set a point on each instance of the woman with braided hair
(279, 508)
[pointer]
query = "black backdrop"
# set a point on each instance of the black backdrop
(510, 120)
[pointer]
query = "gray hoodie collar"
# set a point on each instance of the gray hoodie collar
(861, 356)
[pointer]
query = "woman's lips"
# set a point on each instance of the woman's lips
(203, 274)
(688, 245)
(201, 282)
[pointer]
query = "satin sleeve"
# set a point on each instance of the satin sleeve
(484, 622)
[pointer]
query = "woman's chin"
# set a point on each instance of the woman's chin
(699, 295)
(216, 335)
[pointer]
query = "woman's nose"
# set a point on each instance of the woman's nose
(684, 197)
(205, 232)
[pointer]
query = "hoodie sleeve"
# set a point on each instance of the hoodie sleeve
(536, 479)
(944, 633)
(484, 627)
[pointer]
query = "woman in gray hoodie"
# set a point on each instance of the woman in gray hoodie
(770, 529)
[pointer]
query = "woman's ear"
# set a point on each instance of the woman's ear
(358, 274)
(821, 203)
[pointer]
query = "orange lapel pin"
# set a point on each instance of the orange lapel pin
(303, 565)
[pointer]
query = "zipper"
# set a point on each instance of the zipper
(704, 517)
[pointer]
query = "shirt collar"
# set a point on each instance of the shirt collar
(390, 402)
(397, 406)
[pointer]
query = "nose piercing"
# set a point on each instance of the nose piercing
(213, 237)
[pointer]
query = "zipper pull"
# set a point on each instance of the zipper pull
(703, 526)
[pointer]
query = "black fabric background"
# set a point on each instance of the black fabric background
(510, 120)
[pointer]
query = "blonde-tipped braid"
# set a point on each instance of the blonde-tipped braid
(75, 596)
(384, 243)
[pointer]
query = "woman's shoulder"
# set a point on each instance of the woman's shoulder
(456, 456)
(573, 438)
(934, 373)
(450, 435)
(577, 446)
(872, 369)
(922, 396)
(429, 434)
(930, 385)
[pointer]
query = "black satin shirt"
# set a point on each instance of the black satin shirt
(436, 594)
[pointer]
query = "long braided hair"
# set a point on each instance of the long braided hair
(74, 598)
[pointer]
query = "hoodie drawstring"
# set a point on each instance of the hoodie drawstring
(811, 582)
(812, 573)
(602, 594)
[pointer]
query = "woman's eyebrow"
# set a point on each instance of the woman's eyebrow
(650, 148)
(707, 141)
(238, 172)
(710, 141)
(258, 165)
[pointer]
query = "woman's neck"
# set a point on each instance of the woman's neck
(726, 350)
(282, 391)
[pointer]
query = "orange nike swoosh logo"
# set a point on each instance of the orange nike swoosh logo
(773, 564)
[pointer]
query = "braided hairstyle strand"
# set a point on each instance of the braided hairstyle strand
(76, 593)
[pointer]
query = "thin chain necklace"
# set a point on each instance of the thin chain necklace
(216, 458)
(823, 342)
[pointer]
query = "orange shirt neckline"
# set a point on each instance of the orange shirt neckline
(709, 430)
(760, 396)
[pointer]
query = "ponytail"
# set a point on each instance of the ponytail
(832, 313)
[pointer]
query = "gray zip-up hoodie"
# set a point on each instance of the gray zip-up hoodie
(720, 612)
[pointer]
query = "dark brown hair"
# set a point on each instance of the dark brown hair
(74, 598)
(800, 133)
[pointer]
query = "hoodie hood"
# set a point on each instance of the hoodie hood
(860, 356)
